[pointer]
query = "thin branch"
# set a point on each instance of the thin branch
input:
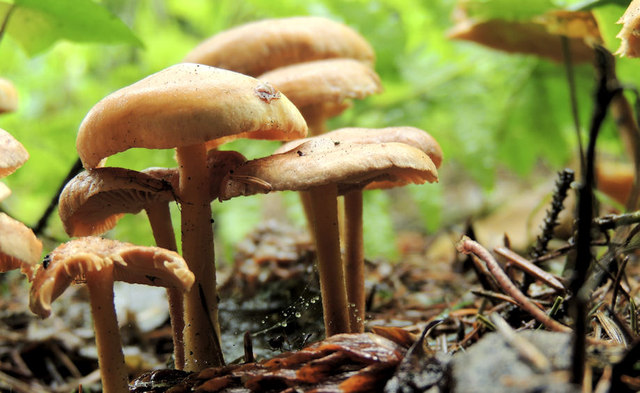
(468, 246)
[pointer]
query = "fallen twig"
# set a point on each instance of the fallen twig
(468, 246)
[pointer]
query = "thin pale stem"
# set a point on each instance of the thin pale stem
(202, 330)
(354, 260)
(110, 357)
(160, 219)
(330, 269)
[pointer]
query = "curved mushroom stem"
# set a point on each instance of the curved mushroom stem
(160, 219)
(113, 371)
(332, 286)
(354, 260)
(202, 330)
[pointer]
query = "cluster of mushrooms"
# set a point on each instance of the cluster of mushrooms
(272, 79)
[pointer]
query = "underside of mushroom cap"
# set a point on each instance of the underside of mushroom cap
(93, 201)
(257, 47)
(324, 81)
(183, 105)
(19, 246)
(12, 154)
(70, 261)
(322, 161)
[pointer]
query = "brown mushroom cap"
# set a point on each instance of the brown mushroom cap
(8, 96)
(93, 201)
(257, 47)
(630, 32)
(133, 264)
(324, 81)
(403, 134)
(322, 161)
(183, 105)
(12, 154)
(19, 247)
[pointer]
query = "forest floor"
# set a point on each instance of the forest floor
(435, 319)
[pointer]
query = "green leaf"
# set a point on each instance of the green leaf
(38, 24)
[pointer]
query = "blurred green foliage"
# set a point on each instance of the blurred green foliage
(488, 110)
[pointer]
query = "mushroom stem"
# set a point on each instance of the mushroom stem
(202, 346)
(110, 357)
(332, 285)
(354, 260)
(160, 220)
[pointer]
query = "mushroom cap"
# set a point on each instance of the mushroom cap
(322, 161)
(324, 81)
(19, 247)
(93, 201)
(70, 261)
(630, 32)
(8, 96)
(257, 47)
(186, 104)
(412, 136)
(12, 154)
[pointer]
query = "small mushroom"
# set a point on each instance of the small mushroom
(8, 96)
(99, 262)
(183, 107)
(326, 169)
(257, 47)
(324, 88)
(353, 228)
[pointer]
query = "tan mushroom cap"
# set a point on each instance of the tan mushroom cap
(257, 47)
(322, 161)
(8, 96)
(70, 261)
(183, 105)
(630, 32)
(12, 154)
(324, 81)
(93, 201)
(412, 136)
(19, 247)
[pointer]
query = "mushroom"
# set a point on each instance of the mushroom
(93, 201)
(12, 154)
(327, 168)
(630, 32)
(183, 107)
(8, 96)
(323, 88)
(257, 47)
(19, 247)
(353, 229)
(99, 262)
